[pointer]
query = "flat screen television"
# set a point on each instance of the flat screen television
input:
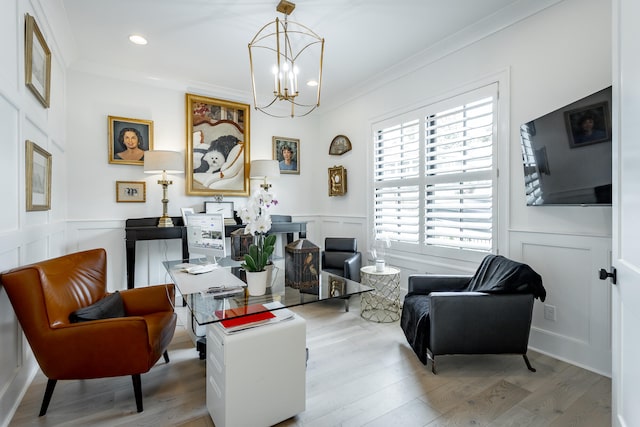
(205, 236)
(567, 154)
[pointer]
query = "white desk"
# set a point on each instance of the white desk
(256, 377)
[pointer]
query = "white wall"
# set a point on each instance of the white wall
(27, 236)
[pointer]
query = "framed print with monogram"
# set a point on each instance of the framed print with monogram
(218, 153)
(37, 62)
(38, 177)
(131, 191)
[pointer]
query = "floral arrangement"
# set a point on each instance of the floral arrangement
(257, 222)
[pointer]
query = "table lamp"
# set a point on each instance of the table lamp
(264, 169)
(164, 162)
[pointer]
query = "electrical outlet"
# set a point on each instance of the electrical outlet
(550, 312)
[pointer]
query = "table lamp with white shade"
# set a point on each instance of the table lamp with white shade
(164, 162)
(264, 170)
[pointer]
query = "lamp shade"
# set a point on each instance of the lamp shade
(262, 169)
(158, 161)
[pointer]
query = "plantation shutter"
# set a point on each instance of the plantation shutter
(433, 174)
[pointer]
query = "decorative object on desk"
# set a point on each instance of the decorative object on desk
(337, 285)
(337, 181)
(131, 191)
(302, 264)
(257, 282)
(38, 177)
(265, 170)
(225, 208)
(339, 145)
(218, 152)
(163, 162)
(240, 242)
(37, 62)
(129, 140)
(280, 54)
(258, 222)
(286, 151)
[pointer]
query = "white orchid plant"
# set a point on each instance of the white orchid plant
(258, 222)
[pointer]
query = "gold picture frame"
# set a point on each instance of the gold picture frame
(337, 181)
(129, 139)
(131, 191)
(38, 177)
(218, 148)
(37, 62)
(289, 147)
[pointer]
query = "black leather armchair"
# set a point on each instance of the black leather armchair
(487, 313)
(341, 257)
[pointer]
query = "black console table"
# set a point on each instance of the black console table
(147, 229)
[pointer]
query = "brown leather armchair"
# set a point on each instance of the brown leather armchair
(43, 295)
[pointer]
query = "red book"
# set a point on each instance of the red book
(260, 314)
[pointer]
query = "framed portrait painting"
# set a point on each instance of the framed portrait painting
(38, 177)
(131, 191)
(588, 125)
(287, 152)
(129, 139)
(37, 57)
(218, 150)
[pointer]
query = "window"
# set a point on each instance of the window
(433, 175)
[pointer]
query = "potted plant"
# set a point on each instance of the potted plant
(258, 222)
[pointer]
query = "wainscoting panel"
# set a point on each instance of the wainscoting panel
(580, 302)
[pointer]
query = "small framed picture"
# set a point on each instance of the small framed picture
(38, 177)
(287, 152)
(131, 191)
(129, 139)
(225, 208)
(37, 60)
(337, 181)
(588, 125)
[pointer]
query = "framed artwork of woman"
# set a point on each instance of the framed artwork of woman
(129, 139)
(287, 152)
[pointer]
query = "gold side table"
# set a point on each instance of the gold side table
(383, 303)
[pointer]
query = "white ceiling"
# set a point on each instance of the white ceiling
(205, 41)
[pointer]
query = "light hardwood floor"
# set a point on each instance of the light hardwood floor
(359, 374)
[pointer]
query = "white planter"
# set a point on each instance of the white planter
(257, 282)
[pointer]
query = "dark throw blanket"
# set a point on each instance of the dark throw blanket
(496, 274)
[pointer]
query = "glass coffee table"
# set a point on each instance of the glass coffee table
(201, 292)
(261, 367)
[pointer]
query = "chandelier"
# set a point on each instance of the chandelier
(286, 65)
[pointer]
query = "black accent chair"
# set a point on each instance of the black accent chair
(341, 257)
(487, 313)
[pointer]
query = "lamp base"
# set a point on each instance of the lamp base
(165, 221)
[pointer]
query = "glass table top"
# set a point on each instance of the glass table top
(201, 292)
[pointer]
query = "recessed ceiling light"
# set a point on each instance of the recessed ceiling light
(137, 39)
(312, 83)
